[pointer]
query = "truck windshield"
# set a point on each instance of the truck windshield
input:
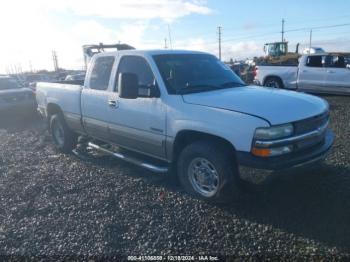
(6, 83)
(189, 73)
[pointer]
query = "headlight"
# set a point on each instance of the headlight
(275, 132)
(272, 133)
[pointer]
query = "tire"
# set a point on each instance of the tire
(197, 164)
(274, 82)
(64, 139)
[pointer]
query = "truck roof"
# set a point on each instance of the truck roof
(151, 52)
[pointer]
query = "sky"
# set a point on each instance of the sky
(31, 29)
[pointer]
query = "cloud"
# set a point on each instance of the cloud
(167, 10)
(238, 50)
(244, 49)
(32, 31)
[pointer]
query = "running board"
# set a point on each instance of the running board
(132, 160)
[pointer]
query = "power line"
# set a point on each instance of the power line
(274, 33)
(249, 37)
(270, 25)
(317, 27)
(255, 36)
(320, 19)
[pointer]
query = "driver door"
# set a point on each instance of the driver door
(138, 124)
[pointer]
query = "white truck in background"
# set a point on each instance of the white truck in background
(316, 73)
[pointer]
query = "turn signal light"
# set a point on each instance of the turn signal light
(274, 151)
(264, 152)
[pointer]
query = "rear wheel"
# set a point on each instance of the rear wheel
(65, 139)
(274, 82)
(207, 170)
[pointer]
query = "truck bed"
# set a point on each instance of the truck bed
(64, 94)
(288, 74)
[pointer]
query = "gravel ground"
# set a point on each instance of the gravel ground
(55, 204)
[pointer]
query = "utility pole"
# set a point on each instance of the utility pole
(165, 44)
(55, 60)
(30, 66)
(170, 41)
(282, 29)
(219, 33)
(310, 41)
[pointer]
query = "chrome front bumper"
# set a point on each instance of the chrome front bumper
(290, 160)
(252, 166)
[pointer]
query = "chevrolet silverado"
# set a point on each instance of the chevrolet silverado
(185, 111)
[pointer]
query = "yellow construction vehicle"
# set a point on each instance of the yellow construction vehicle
(277, 53)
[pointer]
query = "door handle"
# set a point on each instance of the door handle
(112, 103)
(330, 71)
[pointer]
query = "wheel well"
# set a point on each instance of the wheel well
(51, 110)
(272, 76)
(187, 137)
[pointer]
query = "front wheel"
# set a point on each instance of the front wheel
(207, 170)
(65, 139)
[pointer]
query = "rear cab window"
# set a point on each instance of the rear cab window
(101, 73)
(335, 61)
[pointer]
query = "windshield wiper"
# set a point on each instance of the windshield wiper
(232, 84)
(197, 88)
(204, 87)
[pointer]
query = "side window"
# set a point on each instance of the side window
(314, 61)
(139, 66)
(347, 61)
(101, 72)
(338, 61)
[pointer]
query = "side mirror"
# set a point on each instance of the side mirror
(128, 85)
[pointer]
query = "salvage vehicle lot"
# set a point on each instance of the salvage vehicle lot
(56, 204)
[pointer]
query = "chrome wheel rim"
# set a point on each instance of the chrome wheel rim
(58, 133)
(203, 177)
(272, 83)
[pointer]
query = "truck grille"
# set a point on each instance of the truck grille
(309, 125)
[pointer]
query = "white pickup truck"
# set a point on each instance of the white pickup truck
(188, 111)
(316, 73)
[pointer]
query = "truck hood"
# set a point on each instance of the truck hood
(275, 106)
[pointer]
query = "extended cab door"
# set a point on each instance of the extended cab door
(311, 75)
(95, 97)
(337, 75)
(139, 124)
